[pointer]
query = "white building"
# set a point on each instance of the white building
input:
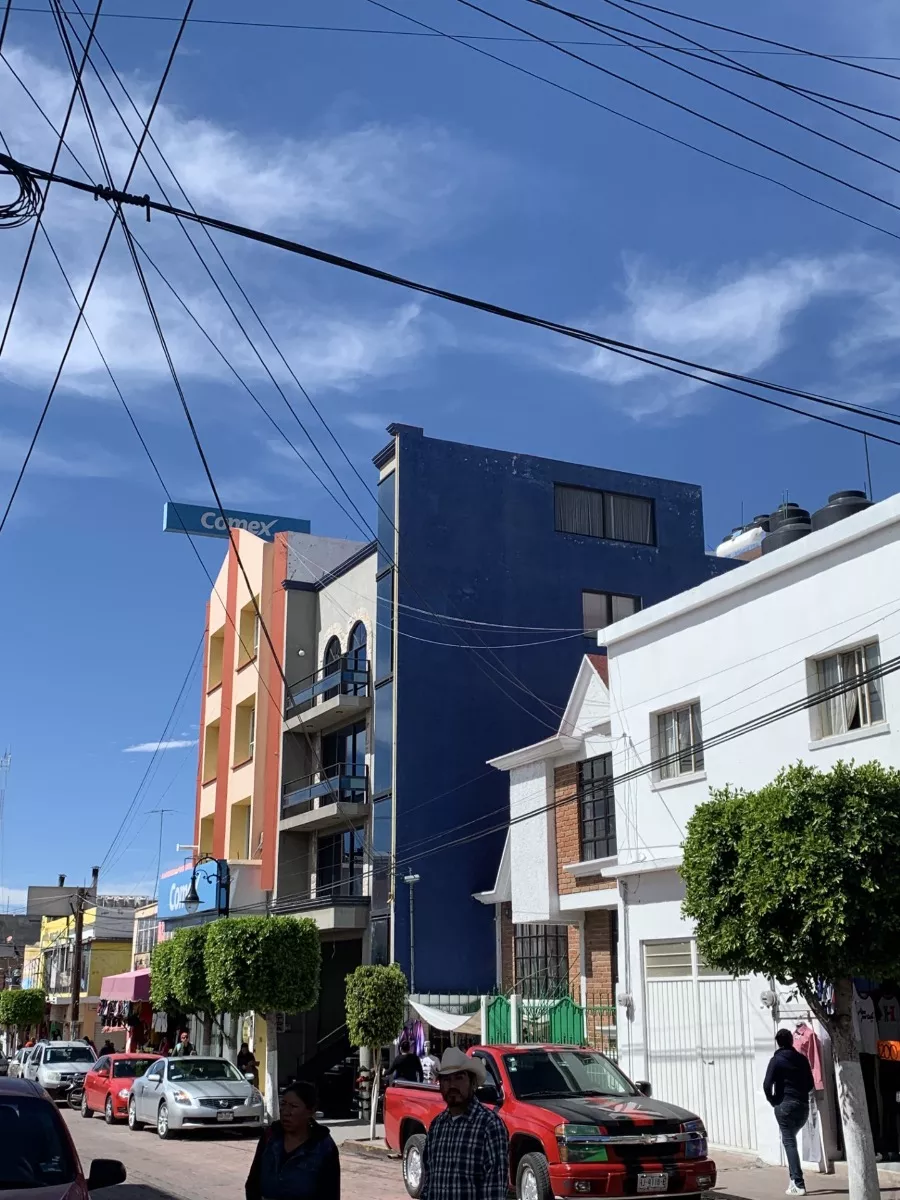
(771, 632)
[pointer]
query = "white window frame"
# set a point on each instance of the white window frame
(699, 969)
(834, 718)
(672, 771)
(251, 732)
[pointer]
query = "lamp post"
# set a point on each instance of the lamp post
(411, 881)
(192, 900)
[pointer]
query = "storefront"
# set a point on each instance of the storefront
(124, 1008)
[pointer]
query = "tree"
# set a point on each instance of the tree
(188, 970)
(21, 1008)
(162, 987)
(266, 965)
(376, 1009)
(798, 881)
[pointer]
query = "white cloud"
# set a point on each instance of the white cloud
(152, 747)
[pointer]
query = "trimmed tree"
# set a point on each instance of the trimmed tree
(266, 965)
(22, 1008)
(798, 882)
(162, 987)
(188, 970)
(376, 1009)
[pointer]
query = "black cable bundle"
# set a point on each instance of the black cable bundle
(28, 202)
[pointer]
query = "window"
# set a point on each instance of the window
(244, 732)
(679, 741)
(542, 959)
(384, 642)
(239, 833)
(861, 704)
(604, 514)
(146, 934)
(248, 635)
(211, 752)
(214, 665)
(156, 1071)
(345, 749)
(387, 493)
(131, 1068)
(357, 655)
(383, 766)
(339, 863)
(331, 665)
(597, 808)
(599, 609)
(668, 960)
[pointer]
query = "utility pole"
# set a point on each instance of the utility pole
(78, 953)
(162, 816)
(411, 881)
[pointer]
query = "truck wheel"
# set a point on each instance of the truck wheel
(533, 1178)
(413, 1175)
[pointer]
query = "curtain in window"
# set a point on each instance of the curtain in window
(579, 510)
(665, 726)
(873, 660)
(629, 519)
(697, 737)
(831, 711)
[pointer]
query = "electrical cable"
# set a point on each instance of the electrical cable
(657, 358)
(90, 285)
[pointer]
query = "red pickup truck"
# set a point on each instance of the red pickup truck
(577, 1127)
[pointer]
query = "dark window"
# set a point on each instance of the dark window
(604, 514)
(383, 767)
(382, 836)
(381, 941)
(357, 655)
(339, 863)
(345, 748)
(42, 1158)
(384, 639)
(596, 808)
(542, 960)
(131, 1068)
(331, 661)
(387, 490)
(599, 609)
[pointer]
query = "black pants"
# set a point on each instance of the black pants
(869, 1066)
(791, 1116)
(889, 1078)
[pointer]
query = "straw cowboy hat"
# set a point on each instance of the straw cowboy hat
(455, 1060)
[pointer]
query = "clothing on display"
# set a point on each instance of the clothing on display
(864, 1025)
(807, 1043)
(160, 1023)
(888, 1017)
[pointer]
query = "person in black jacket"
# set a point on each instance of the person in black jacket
(296, 1158)
(787, 1085)
(406, 1065)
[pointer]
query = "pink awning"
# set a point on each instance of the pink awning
(130, 985)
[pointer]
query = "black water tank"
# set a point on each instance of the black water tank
(789, 511)
(796, 527)
(762, 521)
(840, 505)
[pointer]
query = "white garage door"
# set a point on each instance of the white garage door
(699, 1049)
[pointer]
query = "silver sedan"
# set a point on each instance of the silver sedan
(178, 1093)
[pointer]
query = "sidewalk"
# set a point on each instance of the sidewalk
(742, 1177)
(350, 1130)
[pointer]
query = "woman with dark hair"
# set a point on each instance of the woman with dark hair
(296, 1158)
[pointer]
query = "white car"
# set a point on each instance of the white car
(56, 1066)
(180, 1092)
(17, 1063)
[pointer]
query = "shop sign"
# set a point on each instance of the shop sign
(212, 883)
(209, 522)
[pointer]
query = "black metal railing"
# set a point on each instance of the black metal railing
(340, 783)
(346, 676)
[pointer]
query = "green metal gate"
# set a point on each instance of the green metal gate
(566, 1022)
(499, 1024)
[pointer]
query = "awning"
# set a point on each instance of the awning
(130, 985)
(451, 1022)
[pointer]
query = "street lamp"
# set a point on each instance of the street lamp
(411, 881)
(192, 900)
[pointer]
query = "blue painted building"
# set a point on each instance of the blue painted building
(492, 569)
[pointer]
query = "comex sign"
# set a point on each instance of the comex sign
(209, 522)
(211, 882)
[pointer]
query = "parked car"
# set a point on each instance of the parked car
(56, 1066)
(39, 1157)
(107, 1085)
(576, 1125)
(4, 1064)
(175, 1093)
(18, 1061)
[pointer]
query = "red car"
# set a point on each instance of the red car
(107, 1085)
(577, 1126)
(38, 1159)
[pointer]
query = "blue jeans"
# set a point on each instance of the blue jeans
(791, 1116)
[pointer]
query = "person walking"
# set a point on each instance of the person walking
(296, 1158)
(466, 1153)
(787, 1086)
(406, 1065)
(183, 1047)
(430, 1063)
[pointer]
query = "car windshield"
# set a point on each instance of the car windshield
(36, 1152)
(70, 1054)
(199, 1070)
(536, 1073)
(130, 1068)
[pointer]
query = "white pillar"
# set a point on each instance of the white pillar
(484, 1020)
(515, 1018)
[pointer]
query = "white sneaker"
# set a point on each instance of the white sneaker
(794, 1190)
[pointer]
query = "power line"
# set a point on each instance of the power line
(649, 357)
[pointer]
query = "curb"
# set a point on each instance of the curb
(363, 1148)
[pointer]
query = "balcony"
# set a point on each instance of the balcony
(335, 911)
(326, 799)
(334, 694)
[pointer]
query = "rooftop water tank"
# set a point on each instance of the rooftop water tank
(788, 524)
(744, 543)
(784, 513)
(840, 505)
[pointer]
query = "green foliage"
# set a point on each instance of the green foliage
(21, 1008)
(799, 880)
(188, 969)
(376, 1005)
(263, 964)
(162, 987)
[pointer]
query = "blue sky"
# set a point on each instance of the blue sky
(428, 159)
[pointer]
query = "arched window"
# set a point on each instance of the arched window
(357, 656)
(331, 665)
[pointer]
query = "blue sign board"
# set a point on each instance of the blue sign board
(209, 522)
(212, 889)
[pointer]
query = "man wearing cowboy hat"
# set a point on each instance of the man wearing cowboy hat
(466, 1155)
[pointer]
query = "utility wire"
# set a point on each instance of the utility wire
(655, 358)
(90, 286)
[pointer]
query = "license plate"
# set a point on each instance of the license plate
(653, 1183)
(228, 1115)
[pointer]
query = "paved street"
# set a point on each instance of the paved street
(205, 1166)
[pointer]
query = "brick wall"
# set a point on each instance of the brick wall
(599, 953)
(507, 949)
(568, 834)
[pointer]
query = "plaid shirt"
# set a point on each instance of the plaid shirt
(466, 1157)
